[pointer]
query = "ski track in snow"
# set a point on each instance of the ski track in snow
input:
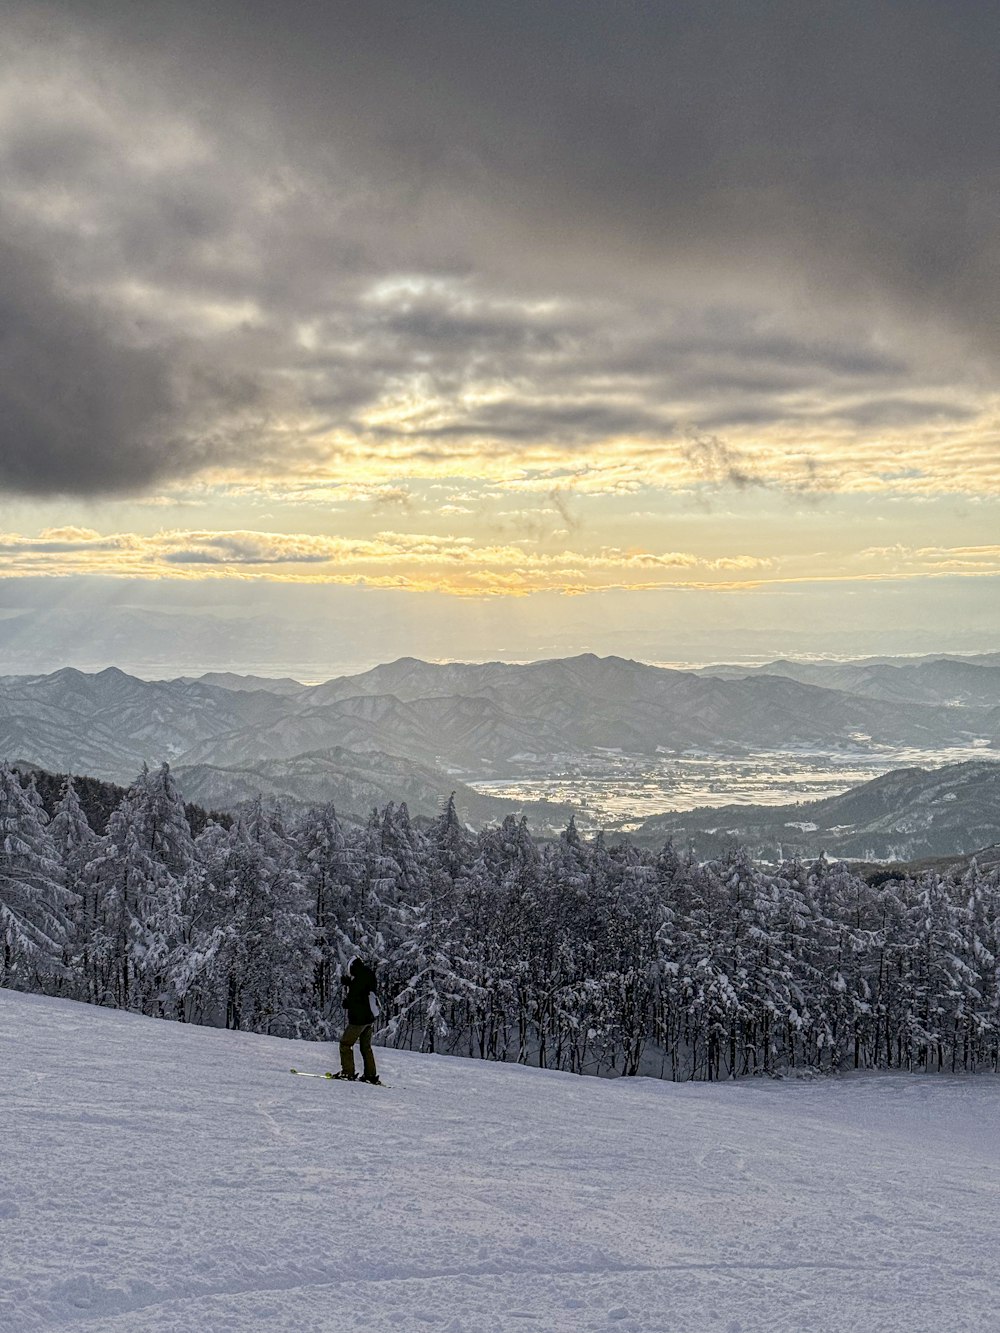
(157, 1178)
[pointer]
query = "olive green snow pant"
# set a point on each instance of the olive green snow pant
(355, 1032)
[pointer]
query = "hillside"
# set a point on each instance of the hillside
(355, 783)
(905, 815)
(161, 1177)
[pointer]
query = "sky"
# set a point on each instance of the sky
(477, 329)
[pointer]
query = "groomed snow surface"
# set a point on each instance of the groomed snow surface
(161, 1177)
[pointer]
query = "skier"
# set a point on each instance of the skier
(362, 1010)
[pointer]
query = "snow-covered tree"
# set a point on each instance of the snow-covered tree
(73, 838)
(269, 952)
(327, 870)
(144, 876)
(35, 904)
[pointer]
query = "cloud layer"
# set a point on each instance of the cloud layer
(461, 566)
(648, 245)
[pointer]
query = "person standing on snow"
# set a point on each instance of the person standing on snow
(362, 1010)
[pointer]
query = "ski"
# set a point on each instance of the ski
(304, 1073)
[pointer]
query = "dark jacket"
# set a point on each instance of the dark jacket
(360, 984)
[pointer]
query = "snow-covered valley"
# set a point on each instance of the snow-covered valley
(618, 791)
(158, 1176)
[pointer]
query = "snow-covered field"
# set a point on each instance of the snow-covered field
(161, 1177)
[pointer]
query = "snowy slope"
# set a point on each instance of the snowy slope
(161, 1177)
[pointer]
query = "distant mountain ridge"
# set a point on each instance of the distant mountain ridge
(953, 682)
(573, 704)
(427, 727)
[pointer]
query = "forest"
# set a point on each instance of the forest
(569, 954)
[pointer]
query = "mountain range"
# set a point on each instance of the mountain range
(417, 730)
(485, 720)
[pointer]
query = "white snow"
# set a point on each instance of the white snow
(160, 1177)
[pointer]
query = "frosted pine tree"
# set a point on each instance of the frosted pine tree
(73, 839)
(557, 939)
(391, 872)
(665, 1018)
(891, 1000)
(942, 976)
(163, 836)
(69, 828)
(582, 1012)
(493, 906)
(269, 954)
(707, 995)
(980, 1034)
(142, 872)
(326, 865)
(35, 904)
(792, 958)
(500, 903)
(199, 972)
(838, 942)
(633, 929)
(438, 984)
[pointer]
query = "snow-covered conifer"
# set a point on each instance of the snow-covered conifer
(143, 873)
(269, 953)
(326, 865)
(35, 904)
(73, 838)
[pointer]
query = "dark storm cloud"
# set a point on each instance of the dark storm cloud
(78, 411)
(860, 130)
(83, 412)
(611, 208)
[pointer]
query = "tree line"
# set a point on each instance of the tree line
(570, 954)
